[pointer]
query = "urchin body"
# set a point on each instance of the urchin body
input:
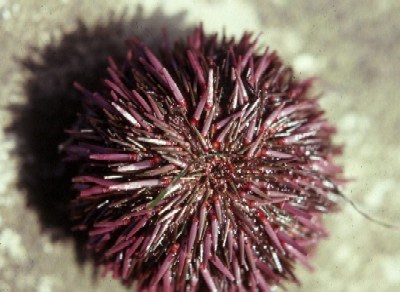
(206, 166)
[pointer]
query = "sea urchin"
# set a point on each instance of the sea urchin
(208, 165)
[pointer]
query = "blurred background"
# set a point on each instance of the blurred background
(352, 46)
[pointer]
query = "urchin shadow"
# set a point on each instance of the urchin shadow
(53, 103)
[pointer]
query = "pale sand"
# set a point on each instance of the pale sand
(353, 47)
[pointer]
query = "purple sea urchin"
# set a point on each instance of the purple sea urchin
(209, 165)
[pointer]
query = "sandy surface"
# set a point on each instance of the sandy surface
(353, 46)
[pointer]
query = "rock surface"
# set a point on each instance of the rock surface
(353, 47)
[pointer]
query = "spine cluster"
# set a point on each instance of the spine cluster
(207, 165)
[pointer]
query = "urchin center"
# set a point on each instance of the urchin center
(219, 170)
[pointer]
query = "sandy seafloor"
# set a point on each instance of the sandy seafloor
(353, 46)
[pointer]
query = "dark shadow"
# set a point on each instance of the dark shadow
(52, 105)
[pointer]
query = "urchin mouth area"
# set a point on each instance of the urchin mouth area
(213, 174)
(218, 168)
(219, 172)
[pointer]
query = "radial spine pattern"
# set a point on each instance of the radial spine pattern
(206, 165)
